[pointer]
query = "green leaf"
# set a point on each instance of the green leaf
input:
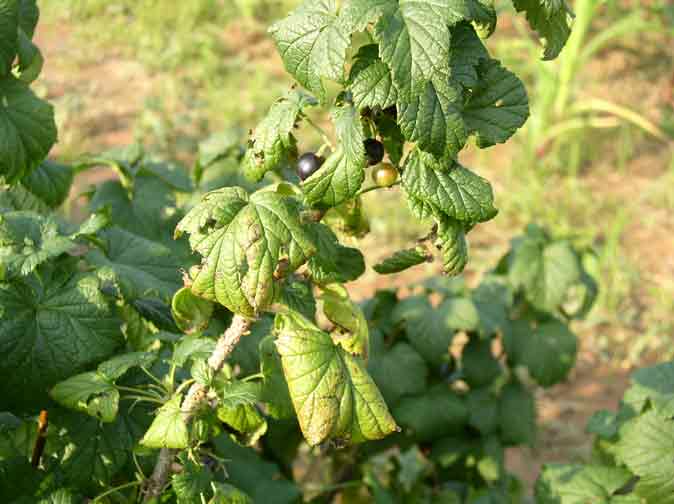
(191, 313)
(27, 128)
(168, 429)
(218, 146)
(414, 42)
(116, 367)
(644, 447)
(344, 313)
(140, 267)
(579, 484)
(260, 479)
(19, 198)
(603, 423)
(275, 391)
(547, 350)
(453, 245)
(244, 239)
(29, 14)
(62, 496)
(228, 494)
(28, 240)
(148, 210)
(479, 366)
(451, 189)
(342, 174)
(370, 80)
(170, 173)
(439, 412)
(400, 361)
(432, 118)
(652, 385)
(272, 143)
(90, 393)
(247, 352)
(431, 330)
(467, 51)
(497, 107)
(192, 483)
(483, 407)
(517, 415)
(391, 136)
(92, 453)
(18, 480)
(551, 19)
(545, 271)
(157, 312)
(493, 299)
(243, 416)
(191, 347)
(333, 395)
(333, 262)
(31, 60)
(413, 468)
(358, 14)
(50, 182)
(297, 295)
(378, 310)
(9, 20)
(402, 260)
(312, 42)
(59, 325)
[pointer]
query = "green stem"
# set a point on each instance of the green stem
(153, 377)
(135, 390)
(116, 489)
(375, 187)
(144, 398)
(253, 377)
(184, 385)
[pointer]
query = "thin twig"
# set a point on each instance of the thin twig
(194, 399)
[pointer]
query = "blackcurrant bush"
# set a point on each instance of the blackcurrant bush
(374, 150)
(307, 164)
(385, 175)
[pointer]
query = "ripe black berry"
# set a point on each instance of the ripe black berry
(307, 164)
(374, 150)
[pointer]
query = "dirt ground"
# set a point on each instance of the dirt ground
(103, 95)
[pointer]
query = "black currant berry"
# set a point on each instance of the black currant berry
(307, 164)
(374, 150)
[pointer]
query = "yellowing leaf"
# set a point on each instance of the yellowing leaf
(333, 395)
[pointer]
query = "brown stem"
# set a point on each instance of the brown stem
(41, 440)
(196, 395)
(162, 470)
